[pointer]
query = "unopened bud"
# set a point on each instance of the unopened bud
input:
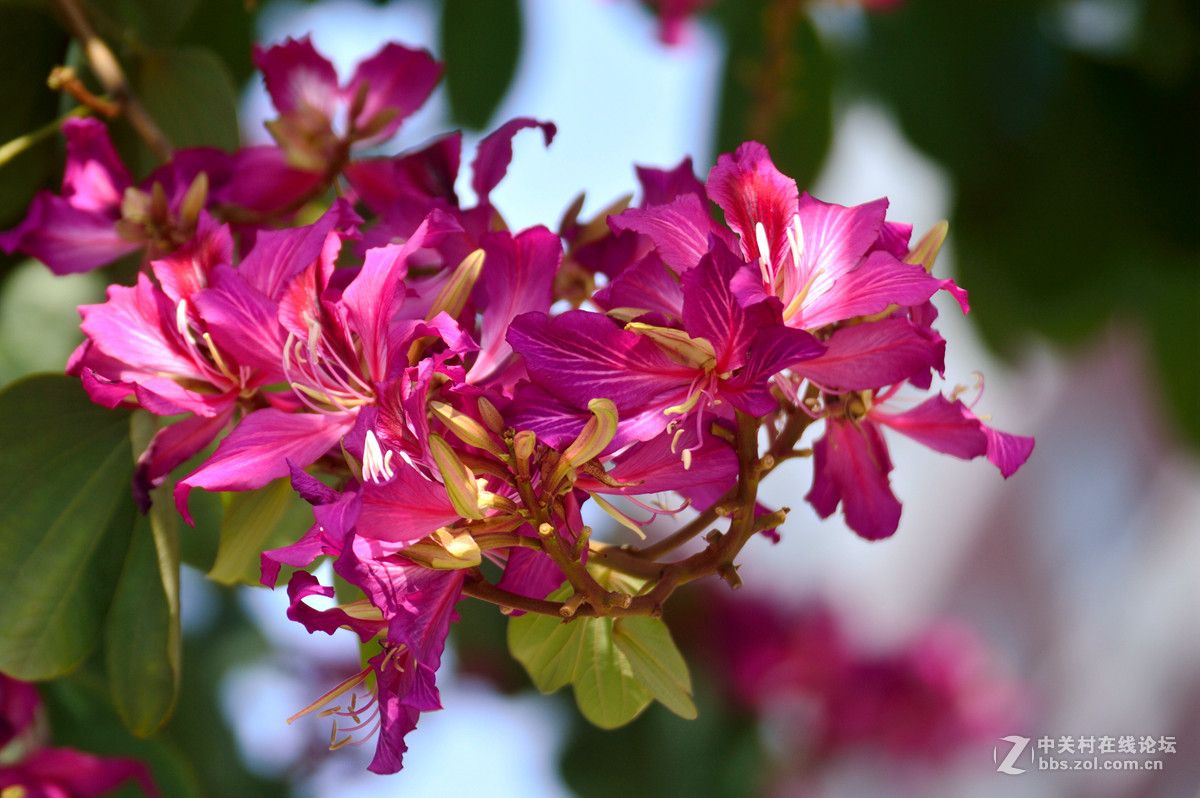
(927, 248)
(468, 430)
(458, 479)
(445, 550)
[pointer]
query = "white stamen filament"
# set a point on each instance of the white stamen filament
(764, 255)
(377, 466)
(181, 322)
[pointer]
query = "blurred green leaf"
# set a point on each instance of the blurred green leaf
(191, 95)
(65, 469)
(480, 45)
(142, 636)
(227, 28)
(146, 22)
(81, 716)
(1074, 165)
(656, 662)
(31, 43)
(776, 85)
(39, 322)
(717, 755)
(256, 520)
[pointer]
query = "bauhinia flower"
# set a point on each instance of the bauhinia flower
(851, 463)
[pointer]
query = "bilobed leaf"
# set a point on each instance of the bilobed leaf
(548, 648)
(606, 690)
(657, 664)
(253, 521)
(142, 634)
(480, 43)
(65, 470)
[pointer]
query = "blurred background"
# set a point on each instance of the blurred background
(1061, 139)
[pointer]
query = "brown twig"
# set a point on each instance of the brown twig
(112, 77)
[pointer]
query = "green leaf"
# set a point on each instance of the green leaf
(657, 664)
(257, 520)
(606, 690)
(191, 95)
(480, 43)
(547, 647)
(777, 85)
(142, 635)
(65, 469)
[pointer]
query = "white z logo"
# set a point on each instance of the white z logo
(1018, 747)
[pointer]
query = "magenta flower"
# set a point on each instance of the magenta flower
(717, 354)
(317, 116)
(851, 463)
(339, 346)
(100, 215)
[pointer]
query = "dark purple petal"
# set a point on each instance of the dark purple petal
(171, 446)
(262, 180)
(711, 311)
(68, 773)
(425, 175)
(647, 285)
(406, 509)
(660, 186)
(880, 282)
(530, 573)
(303, 584)
(942, 425)
(279, 255)
(67, 239)
(1006, 451)
(580, 356)
(243, 322)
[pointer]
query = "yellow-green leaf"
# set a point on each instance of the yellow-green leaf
(657, 664)
(253, 521)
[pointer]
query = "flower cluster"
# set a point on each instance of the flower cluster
(444, 390)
